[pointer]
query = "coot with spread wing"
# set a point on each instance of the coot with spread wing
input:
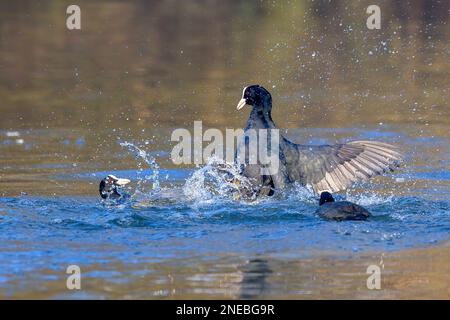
(329, 168)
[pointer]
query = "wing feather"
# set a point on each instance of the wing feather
(336, 167)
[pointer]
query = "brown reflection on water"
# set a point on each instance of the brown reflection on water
(412, 274)
(167, 63)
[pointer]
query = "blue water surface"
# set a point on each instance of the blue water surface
(177, 219)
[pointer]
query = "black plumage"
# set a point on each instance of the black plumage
(340, 210)
(110, 188)
(330, 168)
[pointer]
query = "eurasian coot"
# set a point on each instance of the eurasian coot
(329, 168)
(340, 210)
(110, 187)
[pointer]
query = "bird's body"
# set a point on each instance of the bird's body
(340, 210)
(330, 168)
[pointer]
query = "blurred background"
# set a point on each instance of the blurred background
(138, 69)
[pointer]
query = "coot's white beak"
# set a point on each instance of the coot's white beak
(241, 103)
(122, 182)
(118, 181)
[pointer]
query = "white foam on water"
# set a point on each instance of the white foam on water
(368, 198)
(217, 180)
(13, 134)
(299, 192)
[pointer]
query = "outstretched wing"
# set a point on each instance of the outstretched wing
(334, 168)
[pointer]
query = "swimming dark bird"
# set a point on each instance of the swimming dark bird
(340, 210)
(110, 187)
(329, 168)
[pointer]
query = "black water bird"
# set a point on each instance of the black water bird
(110, 188)
(329, 168)
(340, 210)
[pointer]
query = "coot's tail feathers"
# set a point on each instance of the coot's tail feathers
(336, 167)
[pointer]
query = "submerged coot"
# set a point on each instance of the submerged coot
(340, 210)
(109, 188)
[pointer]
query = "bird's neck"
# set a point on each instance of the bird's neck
(260, 118)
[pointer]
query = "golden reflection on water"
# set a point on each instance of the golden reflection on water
(138, 69)
(167, 63)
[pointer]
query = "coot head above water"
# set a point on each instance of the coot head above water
(255, 96)
(110, 186)
(325, 197)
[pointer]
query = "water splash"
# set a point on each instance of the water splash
(144, 159)
(149, 192)
(216, 180)
(299, 192)
(368, 198)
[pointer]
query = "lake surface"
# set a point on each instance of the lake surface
(78, 105)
